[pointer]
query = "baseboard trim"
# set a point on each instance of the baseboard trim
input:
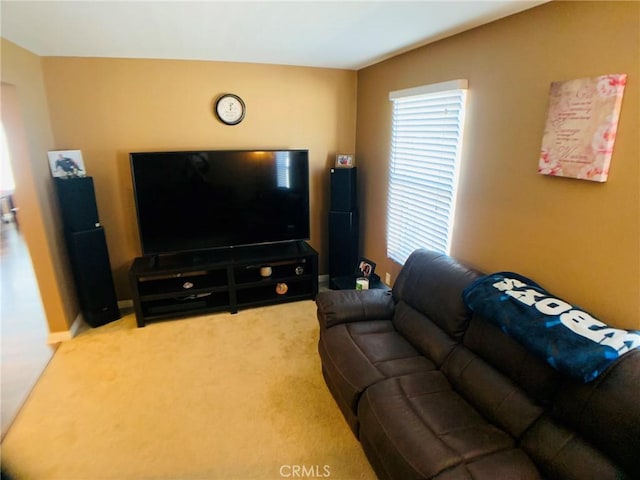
(125, 304)
(65, 335)
(79, 324)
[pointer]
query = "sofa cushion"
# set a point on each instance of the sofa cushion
(532, 374)
(417, 426)
(507, 465)
(491, 393)
(560, 453)
(425, 335)
(431, 283)
(356, 355)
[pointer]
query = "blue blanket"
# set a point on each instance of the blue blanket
(568, 338)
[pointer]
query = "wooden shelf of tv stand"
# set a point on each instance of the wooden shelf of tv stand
(188, 284)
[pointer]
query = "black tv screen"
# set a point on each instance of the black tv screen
(200, 200)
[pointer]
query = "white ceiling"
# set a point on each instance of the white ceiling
(332, 34)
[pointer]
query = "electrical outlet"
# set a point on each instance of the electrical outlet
(387, 278)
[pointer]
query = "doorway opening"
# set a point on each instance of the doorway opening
(24, 352)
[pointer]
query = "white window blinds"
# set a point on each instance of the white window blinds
(425, 149)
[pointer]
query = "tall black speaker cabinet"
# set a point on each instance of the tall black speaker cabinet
(343, 223)
(343, 190)
(87, 249)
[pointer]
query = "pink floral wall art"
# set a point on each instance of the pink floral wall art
(580, 131)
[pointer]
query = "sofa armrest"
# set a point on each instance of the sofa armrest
(344, 306)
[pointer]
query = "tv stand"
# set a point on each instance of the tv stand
(183, 284)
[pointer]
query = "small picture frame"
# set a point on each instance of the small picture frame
(66, 163)
(366, 268)
(344, 160)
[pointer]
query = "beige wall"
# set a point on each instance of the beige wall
(110, 107)
(25, 116)
(578, 239)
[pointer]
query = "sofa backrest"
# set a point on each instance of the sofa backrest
(592, 429)
(500, 378)
(606, 411)
(431, 283)
(498, 398)
(429, 309)
(537, 378)
(569, 428)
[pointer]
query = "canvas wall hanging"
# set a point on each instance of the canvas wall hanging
(581, 126)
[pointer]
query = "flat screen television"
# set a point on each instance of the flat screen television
(199, 200)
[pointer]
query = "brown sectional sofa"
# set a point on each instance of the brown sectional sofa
(432, 390)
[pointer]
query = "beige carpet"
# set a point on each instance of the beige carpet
(215, 397)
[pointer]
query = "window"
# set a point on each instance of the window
(283, 170)
(423, 175)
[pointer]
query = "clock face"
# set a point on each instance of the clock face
(230, 109)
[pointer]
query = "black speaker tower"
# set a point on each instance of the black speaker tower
(343, 223)
(87, 248)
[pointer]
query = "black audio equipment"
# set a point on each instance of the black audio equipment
(343, 190)
(87, 249)
(77, 200)
(92, 272)
(343, 243)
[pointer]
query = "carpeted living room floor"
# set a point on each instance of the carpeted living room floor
(214, 397)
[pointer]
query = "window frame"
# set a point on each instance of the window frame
(406, 226)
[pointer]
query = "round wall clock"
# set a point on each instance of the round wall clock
(230, 109)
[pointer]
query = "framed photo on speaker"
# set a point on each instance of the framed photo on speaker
(366, 268)
(344, 160)
(66, 163)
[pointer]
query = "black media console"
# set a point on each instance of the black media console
(185, 284)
